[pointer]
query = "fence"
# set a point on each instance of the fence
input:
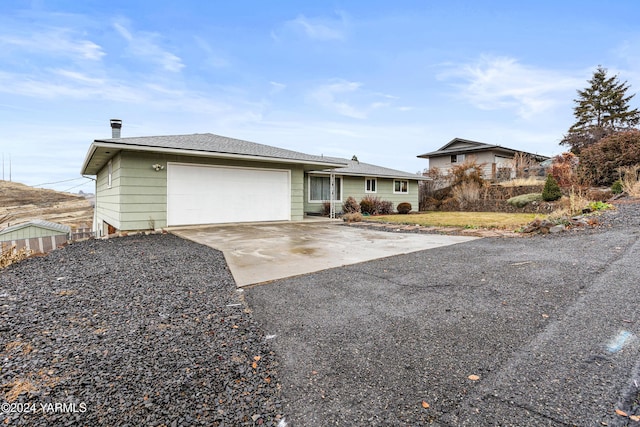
(46, 244)
(36, 244)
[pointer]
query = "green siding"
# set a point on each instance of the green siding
(138, 198)
(354, 186)
(108, 199)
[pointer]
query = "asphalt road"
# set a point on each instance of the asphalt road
(550, 325)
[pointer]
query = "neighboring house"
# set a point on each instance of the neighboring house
(498, 161)
(162, 181)
(36, 235)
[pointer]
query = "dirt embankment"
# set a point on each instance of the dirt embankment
(20, 203)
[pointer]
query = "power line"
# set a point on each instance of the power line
(75, 186)
(58, 182)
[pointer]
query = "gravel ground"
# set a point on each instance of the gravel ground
(141, 330)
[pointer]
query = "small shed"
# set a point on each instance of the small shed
(36, 235)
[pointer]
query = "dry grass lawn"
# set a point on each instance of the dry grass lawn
(509, 221)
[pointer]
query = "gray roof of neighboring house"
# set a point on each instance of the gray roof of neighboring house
(201, 144)
(357, 168)
(53, 226)
(469, 146)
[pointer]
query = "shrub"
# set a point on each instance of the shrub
(564, 168)
(551, 191)
(385, 208)
(350, 205)
(524, 199)
(12, 255)
(404, 208)
(465, 192)
(352, 217)
(326, 208)
(630, 177)
(467, 171)
(600, 163)
(616, 188)
(369, 205)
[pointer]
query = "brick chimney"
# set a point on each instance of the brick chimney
(116, 125)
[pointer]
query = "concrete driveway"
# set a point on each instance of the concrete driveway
(257, 253)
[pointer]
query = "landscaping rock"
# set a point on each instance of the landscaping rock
(139, 330)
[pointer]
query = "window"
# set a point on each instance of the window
(400, 186)
(457, 158)
(320, 189)
(370, 185)
(109, 173)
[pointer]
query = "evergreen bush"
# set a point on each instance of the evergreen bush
(551, 191)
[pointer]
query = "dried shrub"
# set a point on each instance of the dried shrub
(466, 192)
(573, 204)
(564, 169)
(600, 163)
(551, 191)
(404, 208)
(352, 217)
(12, 255)
(372, 205)
(432, 189)
(385, 207)
(524, 165)
(468, 171)
(369, 205)
(350, 205)
(630, 179)
(326, 208)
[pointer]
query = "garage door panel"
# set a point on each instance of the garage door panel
(198, 194)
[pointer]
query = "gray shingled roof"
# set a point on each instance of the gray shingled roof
(212, 143)
(365, 169)
(54, 226)
(470, 146)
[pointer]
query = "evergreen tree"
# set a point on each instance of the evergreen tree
(601, 110)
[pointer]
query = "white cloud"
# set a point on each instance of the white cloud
(327, 96)
(276, 87)
(318, 28)
(146, 45)
(55, 41)
(349, 99)
(213, 58)
(494, 83)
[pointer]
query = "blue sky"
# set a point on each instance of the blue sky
(383, 80)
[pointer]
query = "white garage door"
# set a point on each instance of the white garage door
(198, 194)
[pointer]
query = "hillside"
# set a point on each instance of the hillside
(20, 203)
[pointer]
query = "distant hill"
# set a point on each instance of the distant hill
(20, 203)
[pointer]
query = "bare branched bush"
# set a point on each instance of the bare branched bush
(524, 165)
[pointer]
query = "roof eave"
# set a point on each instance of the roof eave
(198, 153)
(371, 175)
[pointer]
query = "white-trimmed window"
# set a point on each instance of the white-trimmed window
(109, 174)
(400, 186)
(370, 185)
(320, 188)
(457, 158)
